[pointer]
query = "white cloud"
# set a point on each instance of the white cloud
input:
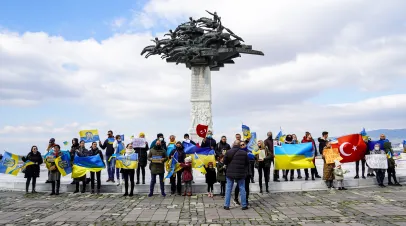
(310, 47)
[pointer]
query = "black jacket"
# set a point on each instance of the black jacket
(220, 147)
(33, 170)
(142, 155)
(97, 152)
(237, 163)
(109, 148)
(322, 144)
(181, 155)
(210, 142)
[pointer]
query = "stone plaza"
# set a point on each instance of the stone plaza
(363, 206)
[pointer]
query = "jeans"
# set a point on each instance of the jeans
(153, 182)
(97, 178)
(110, 170)
(229, 188)
(380, 176)
(247, 189)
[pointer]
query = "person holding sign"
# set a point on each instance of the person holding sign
(328, 168)
(378, 164)
(141, 148)
(263, 163)
(157, 157)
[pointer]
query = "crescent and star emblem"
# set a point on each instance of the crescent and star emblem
(342, 152)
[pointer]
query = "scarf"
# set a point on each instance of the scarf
(129, 152)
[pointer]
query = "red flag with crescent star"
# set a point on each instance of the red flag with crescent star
(201, 130)
(352, 147)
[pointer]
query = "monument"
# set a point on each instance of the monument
(203, 45)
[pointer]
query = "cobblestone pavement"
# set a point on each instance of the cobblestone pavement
(366, 206)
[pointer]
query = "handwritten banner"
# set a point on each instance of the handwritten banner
(330, 155)
(377, 161)
(139, 143)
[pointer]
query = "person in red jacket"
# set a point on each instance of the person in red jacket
(187, 176)
(313, 171)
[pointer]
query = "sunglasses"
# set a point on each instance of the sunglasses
(242, 145)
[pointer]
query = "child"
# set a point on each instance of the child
(187, 176)
(210, 178)
(339, 175)
(221, 175)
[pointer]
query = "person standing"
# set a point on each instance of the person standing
(339, 175)
(82, 152)
(328, 168)
(187, 139)
(269, 144)
(108, 146)
(209, 142)
(50, 147)
(142, 159)
(222, 147)
(118, 146)
(187, 176)
(32, 171)
(289, 140)
(94, 150)
(391, 164)
(128, 173)
(54, 176)
(264, 165)
(211, 178)
(221, 175)
(248, 176)
(380, 173)
(237, 163)
(323, 141)
(363, 162)
(74, 147)
(313, 171)
(157, 158)
(161, 138)
(176, 179)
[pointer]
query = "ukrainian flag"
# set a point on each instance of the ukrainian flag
(201, 155)
(294, 156)
(127, 162)
(89, 135)
(198, 164)
(63, 164)
(173, 166)
(52, 157)
(253, 143)
(364, 134)
(82, 165)
(246, 132)
(9, 164)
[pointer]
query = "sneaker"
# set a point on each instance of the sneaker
(390, 184)
(113, 181)
(363, 177)
(343, 188)
(236, 202)
(299, 177)
(245, 208)
(227, 208)
(108, 180)
(356, 177)
(118, 183)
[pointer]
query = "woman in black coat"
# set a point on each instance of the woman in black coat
(32, 171)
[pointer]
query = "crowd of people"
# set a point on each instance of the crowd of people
(232, 165)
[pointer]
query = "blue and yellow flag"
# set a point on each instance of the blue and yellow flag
(127, 162)
(82, 165)
(200, 156)
(170, 148)
(253, 144)
(65, 143)
(173, 165)
(9, 164)
(63, 164)
(280, 137)
(246, 132)
(198, 164)
(294, 156)
(89, 135)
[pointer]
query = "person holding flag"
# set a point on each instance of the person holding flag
(128, 173)
(176, 179)
(74, 147)
(208, 142)
(95, 151)
(54, 175)
(118, 146)
(269, 144)
(81, 152)
(108, 146)
(50, 147)
(33, 161)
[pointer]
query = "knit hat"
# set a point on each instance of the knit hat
(188, 159)
(141, 134)
(52, 140)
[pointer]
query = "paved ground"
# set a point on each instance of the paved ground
(367, 206)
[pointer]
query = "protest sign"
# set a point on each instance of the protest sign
(139, 143)
(157, 159)
(331, 155)
(377, 161)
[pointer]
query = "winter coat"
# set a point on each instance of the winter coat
(268, 142)
(221, 172)
(187, 172)
(220, 147)
(96, 151)
(211, 175)
(142, 155)
(181, 154)
(267, 161)
(339, 173)
(237, 163)
(33, 170)
(208, 143)
(389, 152)
(84, 152)
(108, 145)
(322, 144)
(155, 167)
(163, 144)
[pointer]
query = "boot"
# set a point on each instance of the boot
(260, 188)
(58, 184)
(125, 191)
(53, 187)
(98, 191)
(131, 192)
(151, 189)
(92, 192)
(34, 182)
(356, 177)
(84, 187)
(143, 179)
(138, 182)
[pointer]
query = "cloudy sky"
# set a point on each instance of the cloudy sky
(335, 65)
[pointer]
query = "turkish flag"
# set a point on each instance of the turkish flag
(201, 130)
(352, 147)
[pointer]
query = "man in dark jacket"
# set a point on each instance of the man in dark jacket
(237, 163)
(176, 185)
(142, 159)
(208, 142)
(268, 142)
(161, 138)
(222, 147)
(157, 157)
(187, 139)
(322, 142)
(108, 145)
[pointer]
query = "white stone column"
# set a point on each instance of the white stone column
(201, 100)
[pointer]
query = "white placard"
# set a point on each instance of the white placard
(377, 161)
(139, 143)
